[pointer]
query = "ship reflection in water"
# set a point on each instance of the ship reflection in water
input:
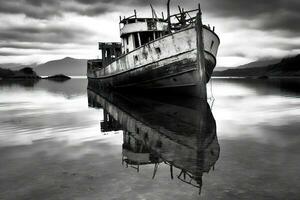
(179, 133)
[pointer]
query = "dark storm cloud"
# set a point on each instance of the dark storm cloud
(47, 34)
(250, 9)
(238, 54)
(124, 2)
(40, 46)
(268, 15)
(44, 9)
(90, 10)
(4, 53)
(283, 21)
(31, 8)
(285, 46)
(275, 18)
(43, 2)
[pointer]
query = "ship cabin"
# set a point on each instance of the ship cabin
(110, 51)
(136, 32)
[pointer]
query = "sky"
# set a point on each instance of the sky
(36, 31)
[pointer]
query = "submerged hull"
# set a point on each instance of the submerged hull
(170, 62)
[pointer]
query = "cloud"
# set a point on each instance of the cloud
(31, 8)
(46, 9)
(5, 53)
(17, 45)
(267, 15)
(248, 29)
(49, 34)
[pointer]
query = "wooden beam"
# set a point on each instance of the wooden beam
(139, 39)
(201, 75)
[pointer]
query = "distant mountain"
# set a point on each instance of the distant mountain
(260, 63)
(221, 68)
(16, 66)
(8, 65)
(285, 67)
(67, 66)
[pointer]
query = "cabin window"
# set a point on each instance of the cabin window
(157, 50)
(136, 40)
(127, 40)
(146, 37)
(145, 55)
(152, 25)
(212, 44)
(136, 58)
(131, 21)
(157, 35)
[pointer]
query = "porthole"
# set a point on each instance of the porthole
(136, 58)
(157, 50)
(212, 44)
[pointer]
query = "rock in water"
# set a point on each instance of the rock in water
(59, 77)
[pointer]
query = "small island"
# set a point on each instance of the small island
(22, 74)
(28, 73)
(58, 77)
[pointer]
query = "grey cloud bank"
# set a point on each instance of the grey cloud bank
(277, 18)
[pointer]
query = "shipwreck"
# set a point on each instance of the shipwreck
(176, 54)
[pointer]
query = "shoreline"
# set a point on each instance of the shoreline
(253, 78)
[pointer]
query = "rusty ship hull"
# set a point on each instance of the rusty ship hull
(182, 60)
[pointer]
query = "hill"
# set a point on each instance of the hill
(221, 68)
(286, 67)
(67, 66)
(25, 73)
(260, 63)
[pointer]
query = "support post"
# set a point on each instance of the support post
(103, 56)
(139, 39)
(201, 74)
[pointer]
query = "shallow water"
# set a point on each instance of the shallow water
(57, 142)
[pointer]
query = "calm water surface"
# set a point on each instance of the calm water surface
(60, 141)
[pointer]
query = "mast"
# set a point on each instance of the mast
(169, 19)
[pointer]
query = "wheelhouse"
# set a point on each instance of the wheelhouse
(136, 32)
